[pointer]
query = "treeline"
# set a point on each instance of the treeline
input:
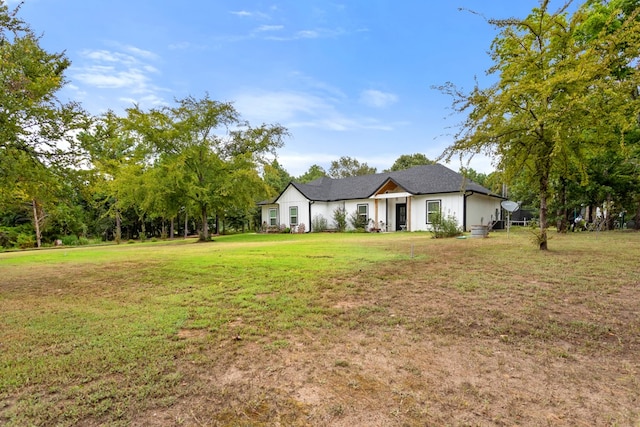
(566, 143)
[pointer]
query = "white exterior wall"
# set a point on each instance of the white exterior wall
(292, 197)
(450, 204)
(351, 207)
(265, 214)
(481, 210)
(325, 209)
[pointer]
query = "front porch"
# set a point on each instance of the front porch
(392, 206)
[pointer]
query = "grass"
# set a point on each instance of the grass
(323, 328)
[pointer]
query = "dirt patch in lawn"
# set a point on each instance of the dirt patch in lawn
(459, 333)
(409, 350)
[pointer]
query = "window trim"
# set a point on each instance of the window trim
(366, 211)
(291, 216)
(274, 217)
(439, 202)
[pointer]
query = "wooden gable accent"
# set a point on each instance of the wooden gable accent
(388, 187)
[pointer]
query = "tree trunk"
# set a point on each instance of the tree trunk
(172, 229)
(143, 232)
(204, 234)
(186, 224)
(36, 223)
(542, 237)
(118, 227)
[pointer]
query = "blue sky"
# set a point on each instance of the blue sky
(347, 78)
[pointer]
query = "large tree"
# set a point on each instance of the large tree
(407, 161)
(37, 135)
(347, 166)
(217, 153)
(553, 100)
(314, 172)
(112, 153)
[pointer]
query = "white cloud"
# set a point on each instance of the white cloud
(248, 14)
(308, 34)
(141, 52)
(377, 99)
(128, 69)
(264, 28)
(241, 13)
(302, 110)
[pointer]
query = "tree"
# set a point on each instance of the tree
(110, 149)
(218, 154)
(553, 99)
(347, 166)
(407, 161)
(276, 177)
(36, 129)
(475, 176)
(312, 174)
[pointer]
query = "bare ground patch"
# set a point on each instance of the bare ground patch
(455, 336)
(409, 350)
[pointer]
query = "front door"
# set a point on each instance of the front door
(401, 216)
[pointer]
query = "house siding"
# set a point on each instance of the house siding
(292, 197)
(450, 205)
(482, 209)
(325, 210)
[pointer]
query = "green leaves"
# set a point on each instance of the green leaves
(559, 96)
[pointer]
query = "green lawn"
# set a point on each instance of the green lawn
(115, 334)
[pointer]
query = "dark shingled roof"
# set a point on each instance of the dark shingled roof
(428, 179)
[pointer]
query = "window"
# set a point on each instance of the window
(433, 207)
(363, 218)
(273, 217)
(293, 215)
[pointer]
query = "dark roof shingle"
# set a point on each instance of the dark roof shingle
(427, 179)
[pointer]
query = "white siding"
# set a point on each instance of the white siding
(265, 214)
(482, 210)
(292, 197)
(326, 209)
(351, 207)
(451, 204)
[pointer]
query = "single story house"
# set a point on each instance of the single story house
(391, 201)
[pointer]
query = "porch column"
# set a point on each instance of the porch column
(375, 204)
(409, 213)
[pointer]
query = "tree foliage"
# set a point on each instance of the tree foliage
(555, 100)
(407, 161)
(312, 174)
(276, 177)
(36, 130)
(347, 166)
(216, 154)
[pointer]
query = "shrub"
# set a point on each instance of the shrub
(358, 222)
(340, 219)
(71, 240)
(319, 223)
(444, 227)
(25, 241)
(8, 237)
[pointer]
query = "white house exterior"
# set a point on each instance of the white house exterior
(392, 201)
